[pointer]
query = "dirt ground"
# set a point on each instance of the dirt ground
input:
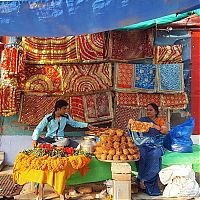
(97, 191)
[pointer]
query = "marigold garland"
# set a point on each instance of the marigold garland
(55, 163)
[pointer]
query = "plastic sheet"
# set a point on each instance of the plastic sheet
(178, 139)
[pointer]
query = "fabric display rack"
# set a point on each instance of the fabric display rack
(107, 76)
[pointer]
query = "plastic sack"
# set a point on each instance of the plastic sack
(178, 139)
(180, 181)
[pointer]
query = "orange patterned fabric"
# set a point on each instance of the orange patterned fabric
(92, 46)
(124, 76)
(45, 79)
(144, 99)
(174, 101)
(130, 45)
(83, 78)
(127, 99)
(168, 54)
(51, 50)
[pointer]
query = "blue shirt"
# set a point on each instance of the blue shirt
(55, 127)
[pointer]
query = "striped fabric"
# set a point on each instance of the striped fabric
(168, 54)
(92, 46)
(51, 50)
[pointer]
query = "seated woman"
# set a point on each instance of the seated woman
(151, 151)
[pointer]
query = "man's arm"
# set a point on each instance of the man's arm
(76, 124)
(39, 128)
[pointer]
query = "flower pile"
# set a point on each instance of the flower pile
(48, 157)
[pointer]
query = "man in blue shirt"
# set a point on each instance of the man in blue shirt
(55, 123)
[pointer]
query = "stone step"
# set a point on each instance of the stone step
(2, 157)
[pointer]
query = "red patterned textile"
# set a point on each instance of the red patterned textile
(77, 108)
(9, 63)
(145, 98)
(168, 54)
(124, 76)
(8, 96)
(21, 68)
(51, 50)
(174, 101)
(98, 107)
(46, 79)
(127, 99)
(12, 67)
(34, 108)
(123, 114)
(87, 77)
(92, 46)
(130, 45)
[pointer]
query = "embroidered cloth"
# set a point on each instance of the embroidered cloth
(145, 75)
(123, 114)
(168, 54)
(145, 98)
(170, 78)
(127, 99)
(98, 107)
(77, 108)
(130, 45)
(92, 46)
(83, 78)
(51, 50)
(174, 101)
(45, 79)
(34, 108)
(124, 76)
(8, 100)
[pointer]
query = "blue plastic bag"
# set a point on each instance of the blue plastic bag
(179, 138)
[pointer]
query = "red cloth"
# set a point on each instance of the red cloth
(130, 45)
(195, 88)
(124, 73)
(92, 46)
(98, 107)
(34, 108)
(77, 108)
(83, 78)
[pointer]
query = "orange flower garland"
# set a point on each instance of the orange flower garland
(54, 163)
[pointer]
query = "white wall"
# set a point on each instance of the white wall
(12, 145)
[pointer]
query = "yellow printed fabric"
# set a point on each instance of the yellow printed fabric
(51, 170)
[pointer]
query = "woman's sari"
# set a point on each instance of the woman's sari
(151, 150)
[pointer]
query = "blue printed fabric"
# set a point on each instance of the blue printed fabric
(170, 77)
(145, 76)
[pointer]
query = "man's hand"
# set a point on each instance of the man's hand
(34, 143)
(92, 128)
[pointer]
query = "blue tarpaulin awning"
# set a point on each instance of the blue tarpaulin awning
(51, 18)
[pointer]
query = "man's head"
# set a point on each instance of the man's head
(61, 106)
